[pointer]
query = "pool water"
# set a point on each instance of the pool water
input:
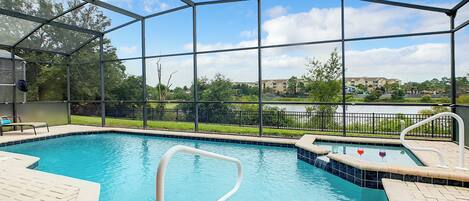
(395, 155)
(125, 166)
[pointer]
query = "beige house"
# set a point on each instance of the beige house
(278, 86)
(370, 82)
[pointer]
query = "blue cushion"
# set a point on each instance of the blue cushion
(5, 122)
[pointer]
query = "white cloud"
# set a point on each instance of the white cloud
(128, 4)
(414, 62)
(128, 50)
(248, 34)
(276, 11)
(151, 6)
(411, 63)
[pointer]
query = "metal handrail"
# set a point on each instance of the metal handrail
(443, 163)
(161, 171)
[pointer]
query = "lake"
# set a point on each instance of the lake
(364, 109)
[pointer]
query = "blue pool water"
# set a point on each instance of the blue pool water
(395, 155)
(125, 166)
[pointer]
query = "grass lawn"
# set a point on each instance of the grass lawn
(214, 128)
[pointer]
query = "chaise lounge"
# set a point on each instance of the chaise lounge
(6, 122)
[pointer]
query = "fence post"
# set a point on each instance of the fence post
(373, 123)
(322, 120)
(177, 114)
(278, 119)
(433, 128)
(240, 118)
(152, 112)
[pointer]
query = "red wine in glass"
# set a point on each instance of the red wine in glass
(360, 151)
(382, 154)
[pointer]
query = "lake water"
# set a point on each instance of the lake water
(363, 109)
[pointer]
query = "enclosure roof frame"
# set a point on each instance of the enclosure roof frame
(189, 3)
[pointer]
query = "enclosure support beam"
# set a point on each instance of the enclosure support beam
(188, 2)
(344, 120)
(101, 80)
(217, 2)
(413, 6)
(13, 74)
(84, 44)
(259, 63)
(459, 5)
(144, 78)
(48, 21)
(453, 76)
(114, 8)
(43, 20)
(167, 11)
(69, 113)
(195, 86)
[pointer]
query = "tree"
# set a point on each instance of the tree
(397, 94)
(46, 72)
(322, 81)
(244, 89)
(373, 96)
(292, 86)
(362, 89)
(217, 90)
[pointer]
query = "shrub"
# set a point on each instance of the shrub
(426, 99)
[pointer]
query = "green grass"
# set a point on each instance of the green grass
(184, 126)
(214, 128)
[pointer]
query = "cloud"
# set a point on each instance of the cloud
(248, 34)
(415, 61)
(151, 6)
(128, 50)
(276, 11)
(410, 63)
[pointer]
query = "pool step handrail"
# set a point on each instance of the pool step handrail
(443, 163)
(161, 171)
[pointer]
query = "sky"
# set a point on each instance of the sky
(234, 25)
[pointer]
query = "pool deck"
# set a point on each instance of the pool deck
(397, 190)
(75, 189)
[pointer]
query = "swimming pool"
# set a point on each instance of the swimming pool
(125, 166)
(382, 154)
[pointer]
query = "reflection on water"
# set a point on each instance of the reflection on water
(363, 109)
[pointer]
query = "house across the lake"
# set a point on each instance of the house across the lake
(370, 83)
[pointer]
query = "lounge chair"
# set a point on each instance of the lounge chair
(6, 122)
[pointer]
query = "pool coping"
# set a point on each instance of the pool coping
(367, 174)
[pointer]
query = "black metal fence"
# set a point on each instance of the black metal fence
(368, 123)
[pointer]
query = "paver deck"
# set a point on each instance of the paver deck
(21, 184)
(397, 190)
